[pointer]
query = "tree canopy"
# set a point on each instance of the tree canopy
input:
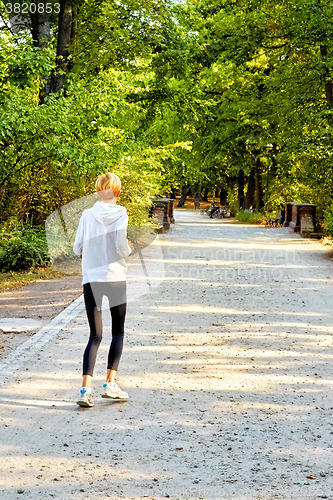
(228, 95)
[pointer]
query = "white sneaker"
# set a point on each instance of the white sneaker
(111, 390)
(85, 400)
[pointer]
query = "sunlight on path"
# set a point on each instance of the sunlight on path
(228, 363)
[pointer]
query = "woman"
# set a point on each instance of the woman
(101, 240)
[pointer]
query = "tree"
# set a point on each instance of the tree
(67, 106)
(179, 95)
(255, 73)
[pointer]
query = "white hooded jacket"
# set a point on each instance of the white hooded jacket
(101, 239)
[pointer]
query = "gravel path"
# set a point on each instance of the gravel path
(228, 363)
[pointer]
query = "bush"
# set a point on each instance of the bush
(22, 249)
(250, 217)
(328, 217)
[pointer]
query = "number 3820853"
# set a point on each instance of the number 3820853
(32, 8)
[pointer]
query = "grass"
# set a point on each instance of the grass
(250, 217)
(16, 279)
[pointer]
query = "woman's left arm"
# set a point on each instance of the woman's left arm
(122, 245)
(78, 243)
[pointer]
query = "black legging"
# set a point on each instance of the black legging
(93, 296)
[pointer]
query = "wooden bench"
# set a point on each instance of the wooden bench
(274, 221)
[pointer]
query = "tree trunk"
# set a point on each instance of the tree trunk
(40, 26)
(197, 196)
(65, 31)
(41, 36)
(328, 83)
(185, 192)
(258, 195)
(223, 196)
(240, 203)
(205, 195)
(249, 199)
(274, 167)
(76, 24)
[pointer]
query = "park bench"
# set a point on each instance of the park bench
(300, 217)
(275, 221)
(162, 211)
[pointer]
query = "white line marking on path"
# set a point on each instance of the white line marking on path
(24, 351)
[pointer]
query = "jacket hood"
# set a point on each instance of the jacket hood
(106, 213)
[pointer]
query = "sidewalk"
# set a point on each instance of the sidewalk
(228, 364)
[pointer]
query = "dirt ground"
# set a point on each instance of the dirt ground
(41, 301)
(228, 363)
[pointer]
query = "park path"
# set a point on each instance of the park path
(228, 363)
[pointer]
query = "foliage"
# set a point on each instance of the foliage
(252, 74)
(165, 95)
(250, 217)
(328, 214)
(52, 151)
(22, 249)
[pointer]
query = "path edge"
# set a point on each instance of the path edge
(14, 360)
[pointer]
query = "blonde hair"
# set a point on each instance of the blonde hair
(108, 186)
